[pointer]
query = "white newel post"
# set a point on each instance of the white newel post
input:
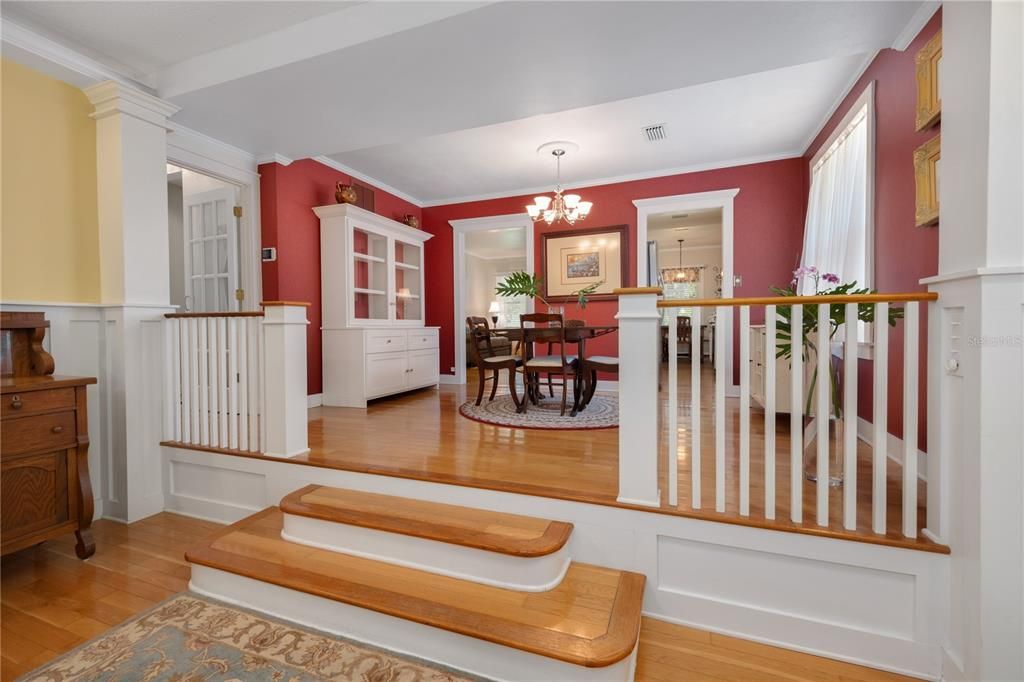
(131, 191)
(284, 379)
(639, 357)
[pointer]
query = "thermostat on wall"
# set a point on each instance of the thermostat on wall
(269, 254)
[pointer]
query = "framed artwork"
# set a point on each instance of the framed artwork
(926, 180)
(929, 102)
(573, 260)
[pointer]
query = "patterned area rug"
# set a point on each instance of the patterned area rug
(190, 638)
(601, 413)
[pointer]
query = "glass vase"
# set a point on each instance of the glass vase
(834, 433)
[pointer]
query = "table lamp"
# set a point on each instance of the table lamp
(494, 310)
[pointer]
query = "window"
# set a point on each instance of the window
(511, 306)
(676, 291)
(838, 231)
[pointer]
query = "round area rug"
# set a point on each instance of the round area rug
(601, 413)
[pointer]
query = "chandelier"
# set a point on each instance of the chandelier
(567, 207)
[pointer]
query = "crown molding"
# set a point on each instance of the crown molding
(843, 94)
(273, 158)
(615, 179)
(58, 60)
(113, 97)
(917, 22)
(331, 163)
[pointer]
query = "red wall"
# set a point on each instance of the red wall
(287, 197)
(768, 217)
(904, 254)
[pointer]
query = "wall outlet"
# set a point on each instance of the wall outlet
(269, 254)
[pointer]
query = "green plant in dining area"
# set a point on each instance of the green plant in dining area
(531, 285)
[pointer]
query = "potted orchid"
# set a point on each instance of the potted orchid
(825, 284)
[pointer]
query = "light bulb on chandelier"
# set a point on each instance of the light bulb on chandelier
(568, 207)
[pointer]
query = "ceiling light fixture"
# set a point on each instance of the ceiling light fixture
(568, 207)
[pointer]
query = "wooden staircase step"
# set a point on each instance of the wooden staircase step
(512, 534)
(591, 619)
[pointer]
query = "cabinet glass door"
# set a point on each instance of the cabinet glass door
(370, 273)
(408, 297)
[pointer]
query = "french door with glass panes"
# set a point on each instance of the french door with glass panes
(211, 252)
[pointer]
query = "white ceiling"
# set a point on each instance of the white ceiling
(698, 228)
(494, 244)
(443, 100)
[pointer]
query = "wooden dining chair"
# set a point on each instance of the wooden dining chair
(483, 356)
(560, 364)
(684, 334)
(588, 371)
(551, 350)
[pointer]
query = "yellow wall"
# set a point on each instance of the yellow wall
(49, 231)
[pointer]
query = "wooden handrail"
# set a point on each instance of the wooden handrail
(795, 300)
(250, 313)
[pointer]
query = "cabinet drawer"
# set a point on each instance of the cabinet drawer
(33, 402)
(42, 432)
(385, 342)
(422, 338)
(385, 373)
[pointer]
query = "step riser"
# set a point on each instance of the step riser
(473, 655)
(524, 574)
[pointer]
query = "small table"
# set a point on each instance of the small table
(578, 335)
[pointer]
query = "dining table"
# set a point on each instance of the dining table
(575, 334)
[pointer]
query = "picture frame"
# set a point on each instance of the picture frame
(574, 259)
(929, 100)
(926, 181)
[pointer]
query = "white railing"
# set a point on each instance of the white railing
(736, 420)
(237, 381)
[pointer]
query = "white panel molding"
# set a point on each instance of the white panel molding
(813, 620)
(363, 177)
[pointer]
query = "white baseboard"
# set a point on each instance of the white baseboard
(450, 379)
(894, 447)
(315, 400)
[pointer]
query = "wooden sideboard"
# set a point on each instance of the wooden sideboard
(44, 444)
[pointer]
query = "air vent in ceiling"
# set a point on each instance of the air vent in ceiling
(655, 133)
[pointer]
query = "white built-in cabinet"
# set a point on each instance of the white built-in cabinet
(372, 299)
(760, 356)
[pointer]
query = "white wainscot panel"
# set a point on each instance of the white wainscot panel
(797, 587)
(214, 493)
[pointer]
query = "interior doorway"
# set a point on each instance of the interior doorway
(203, 242)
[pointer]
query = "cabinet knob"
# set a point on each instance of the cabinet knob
(58, 429)
(387, 341)
(16, 402)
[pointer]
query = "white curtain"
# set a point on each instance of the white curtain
(835, 236)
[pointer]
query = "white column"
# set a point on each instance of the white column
(131, 157)
(284, 379)
(975, 350)
(638, 397)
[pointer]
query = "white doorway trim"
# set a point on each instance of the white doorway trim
(460, 228)
(192, 150)
(721, 199)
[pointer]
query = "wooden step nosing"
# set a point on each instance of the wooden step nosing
(555, 536)
(494, 569)
(612, 646)
(449, 650)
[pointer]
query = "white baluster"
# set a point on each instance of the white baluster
(823, 410)
(261, 383)
(213, 352)
(194, 361)
(723, 326)
(880, 436)
(232, 383)
(243, 383)
(695, 410)
(176, 388)
(222, 377)
(672, 348)
(745, 410)
(796, 418)
(850, 419)
(910, 372)
(769, 411)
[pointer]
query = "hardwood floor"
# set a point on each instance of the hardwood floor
(52, 602)
(421, 435)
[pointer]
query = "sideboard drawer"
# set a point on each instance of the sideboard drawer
(422, 338)
(42, 432)
(34, 402)
(385, 341)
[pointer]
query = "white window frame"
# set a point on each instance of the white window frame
(865, 100)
